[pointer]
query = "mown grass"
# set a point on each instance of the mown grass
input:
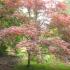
(46, 66)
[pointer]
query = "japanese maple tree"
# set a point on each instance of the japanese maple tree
(30, 28)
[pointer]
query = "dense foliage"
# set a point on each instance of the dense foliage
(14, 23)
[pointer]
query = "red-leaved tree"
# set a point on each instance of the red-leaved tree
(30, 26)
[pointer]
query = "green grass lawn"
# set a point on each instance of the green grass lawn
(42, 67)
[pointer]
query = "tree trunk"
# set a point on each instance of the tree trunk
(29, 57)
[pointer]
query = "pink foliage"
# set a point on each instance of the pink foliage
(52, 49)
(62, 6)
(28, 30)
(28, 44)
(13, 3)
(34, 4)
(61, 19)
(32, 30)
(61, 44)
